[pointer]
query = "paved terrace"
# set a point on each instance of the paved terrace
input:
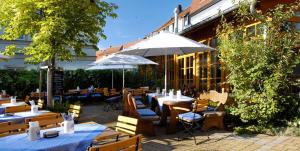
(219, 140)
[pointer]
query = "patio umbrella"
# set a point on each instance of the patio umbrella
(165, 43)
(112, 68)
(123, 60)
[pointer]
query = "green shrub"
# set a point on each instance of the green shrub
(261, 68)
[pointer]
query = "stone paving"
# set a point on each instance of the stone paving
(218, 140)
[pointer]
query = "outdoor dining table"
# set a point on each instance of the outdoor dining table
(5, 105)
(80, 140)
(166, 105)
(19, 117)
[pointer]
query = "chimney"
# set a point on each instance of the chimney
(177, 10)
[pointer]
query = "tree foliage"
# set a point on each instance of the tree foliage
(261, 66)
(58, 28)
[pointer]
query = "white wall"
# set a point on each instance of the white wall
(211, 11)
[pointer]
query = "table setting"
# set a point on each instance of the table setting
(61, 138)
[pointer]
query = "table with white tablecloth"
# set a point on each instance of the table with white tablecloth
(78, 141)
(166, 104)
(162, 98)
(19, 117)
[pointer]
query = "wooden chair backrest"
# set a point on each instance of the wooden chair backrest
(113, 91)
(46, 120)
(105, 92)
(131, 102)
(41, 103)
(127, 125)
(204, 96)
(7, 128)
(75, 109)
(20, 108)
(138, 92)
(218, 97)
(84, 91)
(27, 98)
(130, 144)
(200, 105)
(99, 90)
(146, 88)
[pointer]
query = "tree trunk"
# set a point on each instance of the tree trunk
(51, 67)
(40, 83)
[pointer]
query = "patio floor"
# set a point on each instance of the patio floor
(219, 140)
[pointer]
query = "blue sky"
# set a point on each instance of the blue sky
(137, 18)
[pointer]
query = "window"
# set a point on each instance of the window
(203, 72)
(186, 70)
(186, 20)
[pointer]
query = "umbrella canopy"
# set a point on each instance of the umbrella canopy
(112, 68)
(119, 59)
(123, 60)
(165, 43)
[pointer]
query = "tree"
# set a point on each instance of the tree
(58, 28)
(261, 66)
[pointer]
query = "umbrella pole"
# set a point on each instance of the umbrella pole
(112, 79)
(166, 66)
(123, 78)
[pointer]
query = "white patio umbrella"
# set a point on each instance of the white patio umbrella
(112, 68)
(123, 60)
(165, 43)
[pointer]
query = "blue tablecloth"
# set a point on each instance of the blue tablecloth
(19, 117)
(79, 141)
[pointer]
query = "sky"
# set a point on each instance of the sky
(137, 18)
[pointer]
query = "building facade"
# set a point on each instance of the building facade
(199, 22)
(17, 62)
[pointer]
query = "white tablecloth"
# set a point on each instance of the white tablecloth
(19, 117)
(161, 99)
(13, 104)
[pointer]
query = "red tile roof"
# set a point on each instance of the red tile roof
(111, 50)
(198, 4)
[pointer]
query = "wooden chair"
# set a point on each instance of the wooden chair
(9, 128)
(113, 92)
(99, 90)
(41, 103)
(146, 117)
(27, 98)
(105, 92)
(214, 119)
(190, 119)
(75, 110)
(138, 92)
(14, 109)
(84, 91)
(46, 120)
(145, 89)
(125, 125)
(130, 144)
